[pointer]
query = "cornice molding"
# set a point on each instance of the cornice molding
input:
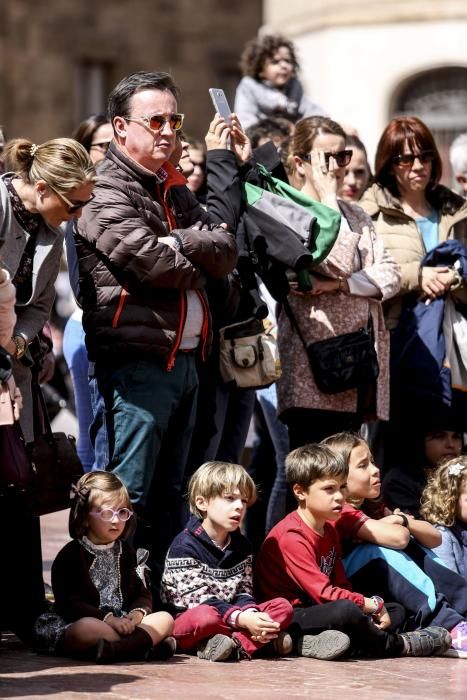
(297, 17)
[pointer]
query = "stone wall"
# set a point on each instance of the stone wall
(59, 59)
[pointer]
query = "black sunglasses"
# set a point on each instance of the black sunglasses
(72, 207)
(342, 158)
(406, 160)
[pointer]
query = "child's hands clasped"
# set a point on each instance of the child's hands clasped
(261, 627)
(122, 625)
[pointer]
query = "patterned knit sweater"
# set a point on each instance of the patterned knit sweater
(198, 572)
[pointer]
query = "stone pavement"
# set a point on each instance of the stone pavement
(24, 674)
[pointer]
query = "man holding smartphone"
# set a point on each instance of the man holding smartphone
(146, 250)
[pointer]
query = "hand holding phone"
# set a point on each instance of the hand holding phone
(221, 105)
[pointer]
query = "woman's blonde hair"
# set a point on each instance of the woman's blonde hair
(217, 478)
(304, 134)
(441, 494)
(91, 490)
(64, 164)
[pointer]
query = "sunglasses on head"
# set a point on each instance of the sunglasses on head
(406, 160)
(342, 158)
(72, 207)
(156, 122)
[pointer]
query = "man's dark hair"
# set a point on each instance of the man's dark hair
(268, 128)
(119, 99)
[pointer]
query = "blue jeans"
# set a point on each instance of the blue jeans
(150, 415)
(98, 429)
(431, 593)
(267, 399)
(76, 356)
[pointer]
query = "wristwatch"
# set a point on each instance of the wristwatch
(378, 602)
(20, 344)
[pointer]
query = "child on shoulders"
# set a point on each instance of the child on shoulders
(102, 592)
(207, 577)
(301, 561)
(270, 87)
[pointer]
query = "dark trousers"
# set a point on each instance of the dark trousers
(262, 470)
(22, 597)
(344, 615)
(309, 425)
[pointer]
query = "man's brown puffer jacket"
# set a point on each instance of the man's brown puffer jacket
(132, 286)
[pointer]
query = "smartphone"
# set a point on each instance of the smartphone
(220, 103)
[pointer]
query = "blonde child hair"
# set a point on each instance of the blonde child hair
(216, 478)
(441, 494)
(90, 492)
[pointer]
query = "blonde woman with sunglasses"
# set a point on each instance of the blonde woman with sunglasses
(44, 185)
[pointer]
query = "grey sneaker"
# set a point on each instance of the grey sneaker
(429, 641)
(327, 645)
(218, 648)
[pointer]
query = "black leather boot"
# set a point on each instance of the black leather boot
(130, 648)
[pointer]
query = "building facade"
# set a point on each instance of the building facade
(59, 59)
(366, 61)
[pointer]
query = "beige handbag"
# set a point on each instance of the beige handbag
(249, 358)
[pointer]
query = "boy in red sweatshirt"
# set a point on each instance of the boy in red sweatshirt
(300, 560)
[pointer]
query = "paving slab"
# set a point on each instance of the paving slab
(24, 674)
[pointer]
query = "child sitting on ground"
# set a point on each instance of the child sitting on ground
(208, 574)
(444, 503)
(404, 570)
(102, 592)
(430, 441)
(300, 560)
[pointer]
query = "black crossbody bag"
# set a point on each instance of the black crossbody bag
(347, 361)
